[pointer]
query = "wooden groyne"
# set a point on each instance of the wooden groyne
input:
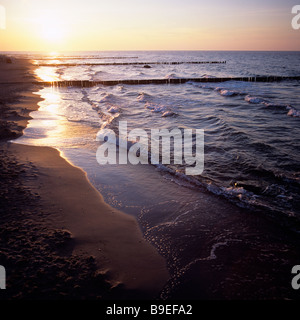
(88, 83)
(81, 58)
(127, 63)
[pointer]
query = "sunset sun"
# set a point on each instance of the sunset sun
(52, 33)
(51, 30)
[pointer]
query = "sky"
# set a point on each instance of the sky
(63, 25)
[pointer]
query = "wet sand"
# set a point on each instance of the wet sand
(59, 239)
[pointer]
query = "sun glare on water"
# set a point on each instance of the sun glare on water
(47, 74)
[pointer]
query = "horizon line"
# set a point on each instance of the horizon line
(150, 50)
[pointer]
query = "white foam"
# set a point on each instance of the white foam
(149, 106)
(234, 190)
(155, 108)
(207, 76)
(171, 76)
(274, 105)
(120, 88)
(293, 112)
(254, 100)
(168, 113)
(107, 97)
(212, 255)
(113, 109)
(143, 97)
(227, 93)
(159, 108)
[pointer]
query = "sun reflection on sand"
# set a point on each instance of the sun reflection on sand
(47, 124)
(52, 124)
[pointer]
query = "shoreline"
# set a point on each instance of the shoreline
(214, 249)
(129, 267)
(17, 100)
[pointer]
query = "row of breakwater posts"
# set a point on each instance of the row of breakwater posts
(80, 58)
(88, 83)
(126, 63)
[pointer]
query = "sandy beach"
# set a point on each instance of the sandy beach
(59, 239)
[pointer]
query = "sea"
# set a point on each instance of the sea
(225, 233)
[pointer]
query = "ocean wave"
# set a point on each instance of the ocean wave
(106, 117)
(274, 105)
(155, 108)
(165, 111)
(95, 89)
(236, 191)
(60, 72)
(227, 93)
(120, 88)
(107, 112)
(96, 74)
(113, 109)
(207, 76)
(171, 76)
(293, 112)
(168, 113)
(106, 97)
(144, 97)
(255, 198)
(254, 100)
(237, 194)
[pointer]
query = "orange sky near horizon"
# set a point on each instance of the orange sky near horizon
(33, 25)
